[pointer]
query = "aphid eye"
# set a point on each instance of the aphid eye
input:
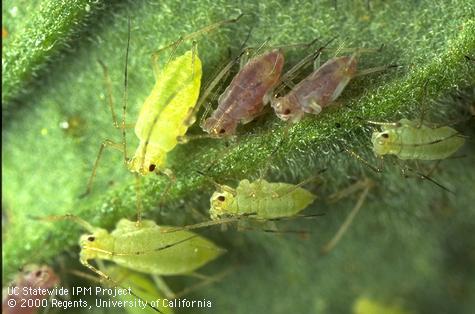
(385, 135)
(222, 131)
(287, 111)
(221, 198)
(151, 167)
(91, 238)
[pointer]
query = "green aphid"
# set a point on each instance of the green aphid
(162, 119)
(260, 200)
(168, 111)
(414, 140)
(364, 305)
(142, 285)
(144, 247)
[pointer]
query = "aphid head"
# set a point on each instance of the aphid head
(220, 203)
(92, 244)
(219, 127)
(286, 110)
(147, 160)
(382, 142)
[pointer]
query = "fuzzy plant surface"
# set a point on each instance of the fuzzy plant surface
(411, 246)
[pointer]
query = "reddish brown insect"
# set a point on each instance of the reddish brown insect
(320, 89)
(249, 91)
(19, 300)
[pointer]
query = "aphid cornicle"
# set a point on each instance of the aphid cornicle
(33, 276)
(247, 94)
(414, 140)
(259, 199)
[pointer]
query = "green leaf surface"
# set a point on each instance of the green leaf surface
(412, 241)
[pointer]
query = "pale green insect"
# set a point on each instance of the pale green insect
(364, 305)
(166, 114)
(163, 115)
(142, 285)
(259, 199)
(144, 248)
(414, 140)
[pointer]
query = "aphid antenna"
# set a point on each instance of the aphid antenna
(204, 30)
(394, 124)
(298, 45)
(200, 225)
(364, 161)
(305, 216)
(290, 74)
(275, 231)
(263, 46)
(209, 88)
(87, 226)
(426, 177)
(348, 221)
(218, 186)
(376, 69)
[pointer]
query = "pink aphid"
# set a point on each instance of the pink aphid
(18, 298)
(249, 91)
(317, 90)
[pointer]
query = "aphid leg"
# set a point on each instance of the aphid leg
(138, 199)
(171, 181)
(423, 108)
(108, 143)
(105, 144)
(205, 281)
(106, 279)
(364, 161)
(163, 287)
(367, 184)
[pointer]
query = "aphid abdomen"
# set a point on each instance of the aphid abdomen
(425, 143)
(271, 200)
(242, 100)
(165, 112)
(326, 84)
(317, 90)
(138, 249)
